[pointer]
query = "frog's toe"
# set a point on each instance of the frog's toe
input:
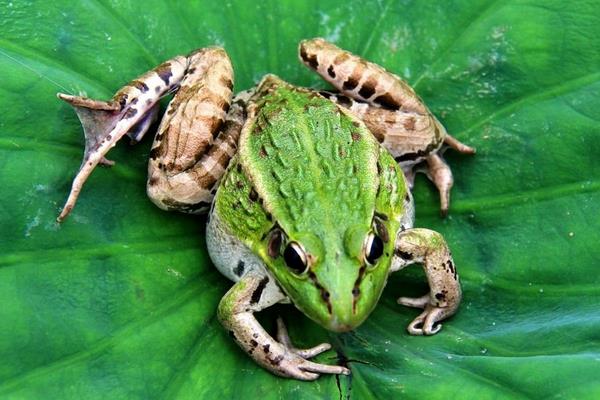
(458, 146)
(415, 302)
(313, 351)
(310, 366)
(284, 338)
(296, 363)
(294, 366)
(440, 174)
(427, 322)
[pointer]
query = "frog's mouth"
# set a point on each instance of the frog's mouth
(342, 314)
(338, 326)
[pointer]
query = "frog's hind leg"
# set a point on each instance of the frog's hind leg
(197, 137)
(134, 107)
(192, 149)
(390, 109)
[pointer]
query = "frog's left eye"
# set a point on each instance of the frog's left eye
(373, 248)
(295, 257)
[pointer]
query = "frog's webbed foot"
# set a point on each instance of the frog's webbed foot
(131, 111)
(429, 248)
(252, 294)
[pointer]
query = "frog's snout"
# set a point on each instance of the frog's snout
(345, 316)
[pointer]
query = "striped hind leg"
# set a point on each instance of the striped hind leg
(186, 163)
(390, 108)
(134, 107)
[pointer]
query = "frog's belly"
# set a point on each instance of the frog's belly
(231, 257)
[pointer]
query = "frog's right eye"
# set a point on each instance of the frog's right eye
(373, 248)
(295, 257)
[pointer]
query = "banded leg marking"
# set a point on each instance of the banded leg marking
(192, 190)
(358, 78)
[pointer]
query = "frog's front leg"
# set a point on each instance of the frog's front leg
(195, 116)
(430, 249)
(390, 108)
(255, 292)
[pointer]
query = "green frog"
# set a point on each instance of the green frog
(307, 192)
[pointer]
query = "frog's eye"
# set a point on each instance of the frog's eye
(295, 257)
(373, 248)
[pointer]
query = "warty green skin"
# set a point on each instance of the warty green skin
(308, 168)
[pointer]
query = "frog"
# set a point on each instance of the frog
(307, 192)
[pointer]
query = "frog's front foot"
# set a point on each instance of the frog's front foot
(294, 362)
(429, 249)
(426, 322)
(252, 294)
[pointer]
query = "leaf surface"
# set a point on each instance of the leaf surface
(119, 301)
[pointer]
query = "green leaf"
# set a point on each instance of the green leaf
(119, 301)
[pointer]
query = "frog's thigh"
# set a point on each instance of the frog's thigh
(430, 249)
(358, 78)
(197, 136)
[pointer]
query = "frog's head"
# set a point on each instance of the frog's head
(334, 280)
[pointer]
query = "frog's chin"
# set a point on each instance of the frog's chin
(337, 325)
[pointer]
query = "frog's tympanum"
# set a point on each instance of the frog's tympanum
(308, 192)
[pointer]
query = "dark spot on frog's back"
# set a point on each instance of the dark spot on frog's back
(253, 195)
(262, 153)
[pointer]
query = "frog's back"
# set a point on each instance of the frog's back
(313, 165)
